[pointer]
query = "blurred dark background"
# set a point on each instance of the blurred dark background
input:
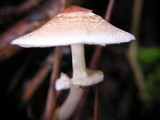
(119, 98)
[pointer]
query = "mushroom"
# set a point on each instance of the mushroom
(76, 26)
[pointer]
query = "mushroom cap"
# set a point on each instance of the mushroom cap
(74, 25)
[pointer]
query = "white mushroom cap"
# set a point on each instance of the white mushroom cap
(73, 26)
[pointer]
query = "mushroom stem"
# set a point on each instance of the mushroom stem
(69, 106)
(81, 75)
(75, 95)
(78, 60)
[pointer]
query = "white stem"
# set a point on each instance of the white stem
(71, 103)
(75, 95)
(78, 60)
(81, 76)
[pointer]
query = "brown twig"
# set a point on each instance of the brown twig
(29, 23)
(96, 100)
(109, 9)
(98, 48)
(96, 56)
(132, 52)
(51, 97)
(32, 85)
(18, 9)
(16, 79)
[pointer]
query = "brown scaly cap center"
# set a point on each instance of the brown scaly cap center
(75, 8)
